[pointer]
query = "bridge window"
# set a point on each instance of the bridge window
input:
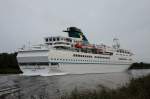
(58, 39)
(50, 39)
(46, 39)
(54, 39)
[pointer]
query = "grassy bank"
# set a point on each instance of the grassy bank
(136, 89)
(9, 64)
(140, 66)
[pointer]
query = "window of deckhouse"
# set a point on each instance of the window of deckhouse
(54, 39)
(58, 39)
(50, 39)
(46, 39)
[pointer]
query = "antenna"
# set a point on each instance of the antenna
(116, 44)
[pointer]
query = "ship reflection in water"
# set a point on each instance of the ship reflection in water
(53, 87)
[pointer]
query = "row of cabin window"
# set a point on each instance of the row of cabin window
(58, 39)
(75, 60)
(78, 55)
(123, 54)
(124, 59)
(122, 51)
(102, 57)
(35, 63)
(62, 43)
(58, 43)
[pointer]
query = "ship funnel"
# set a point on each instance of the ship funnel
(75, 32)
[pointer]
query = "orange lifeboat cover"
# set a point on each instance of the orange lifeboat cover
(78, 45)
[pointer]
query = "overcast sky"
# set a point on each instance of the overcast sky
(23, 21)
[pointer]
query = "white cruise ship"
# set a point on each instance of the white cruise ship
(73, 55)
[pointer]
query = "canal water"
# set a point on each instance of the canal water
(53, 87)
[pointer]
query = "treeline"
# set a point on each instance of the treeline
(140, 66)
(8, 63)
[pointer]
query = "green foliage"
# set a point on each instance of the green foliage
(136, 89)
(140, 66)
(8, 63)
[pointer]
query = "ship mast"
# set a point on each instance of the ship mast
(116, 44)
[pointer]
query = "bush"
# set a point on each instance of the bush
(140, 66)
(137, 89)
(8, 63)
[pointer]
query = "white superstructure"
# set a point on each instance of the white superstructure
(72, 55)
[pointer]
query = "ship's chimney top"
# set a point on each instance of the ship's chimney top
(76, 33)
(73, 29)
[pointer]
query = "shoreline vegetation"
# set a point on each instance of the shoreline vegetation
(138, 88)
(9, 64)
(140, 65)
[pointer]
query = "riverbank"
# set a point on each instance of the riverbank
(140, 65)
(10, 71)
(9, 64)
(137, 89)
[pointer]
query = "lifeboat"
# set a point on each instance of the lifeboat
(78, 45)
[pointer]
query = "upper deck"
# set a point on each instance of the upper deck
(76, 41)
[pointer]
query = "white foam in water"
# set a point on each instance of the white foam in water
(42, 74)
(52, 74)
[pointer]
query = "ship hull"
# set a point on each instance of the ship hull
(61, 69)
